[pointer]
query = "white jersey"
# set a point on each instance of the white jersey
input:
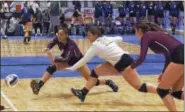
(105, 48)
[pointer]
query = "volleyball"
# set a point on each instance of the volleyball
(11, 80)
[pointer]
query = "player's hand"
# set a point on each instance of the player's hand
(69, 69)
(159, 78)
(46, 50)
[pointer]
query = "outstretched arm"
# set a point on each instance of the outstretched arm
(89, 55)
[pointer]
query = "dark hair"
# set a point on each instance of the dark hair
(95, 30)
(145, 26)
(64, 27)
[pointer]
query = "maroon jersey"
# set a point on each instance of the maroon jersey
(158, 42)
(70, 51)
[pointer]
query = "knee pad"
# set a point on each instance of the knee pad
(51, 69)
(177, 94)
(98, 83)
(163, 92)
(143, 88)
(93, 74)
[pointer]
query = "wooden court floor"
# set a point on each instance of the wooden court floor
(56, 95)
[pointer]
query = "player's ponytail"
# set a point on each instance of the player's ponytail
(145, 26)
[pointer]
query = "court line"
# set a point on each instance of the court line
(8, 101)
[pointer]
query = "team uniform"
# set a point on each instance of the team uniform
(161, 43)
(70, 54)
(112, 53)
(26, 15)
(70, 51)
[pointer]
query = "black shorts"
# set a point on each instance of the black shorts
(174, 14)
(151, 12)
(160, 14)
(76, 14)
(122, 15)
(132, 14)
(124, 62)
(74, 60)
(177, 56)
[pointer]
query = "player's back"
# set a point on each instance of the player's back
(108, 49)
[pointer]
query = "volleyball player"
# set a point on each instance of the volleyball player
(26, 19)
(160, 42)
(118, 61)
(71, 54)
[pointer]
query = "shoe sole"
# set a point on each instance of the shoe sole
(33, 82)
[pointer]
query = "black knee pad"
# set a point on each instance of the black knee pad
(143, 88)
(51, 69)
(98, 82)
(163, 92)
(93, 74)
(177, 94)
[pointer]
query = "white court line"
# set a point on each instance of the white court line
(8, 101)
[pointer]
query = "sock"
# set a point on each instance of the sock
(85, 91)
(98, 82)
(41, 83)
(107, 82)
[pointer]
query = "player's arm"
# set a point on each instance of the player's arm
(48, 50)
(69, 55)
(143, 52)
(88, 56)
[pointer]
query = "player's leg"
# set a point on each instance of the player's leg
(132, 77)
(85, 71)
(36, 85)
(177, 88)
(105, 69)
(172, 73)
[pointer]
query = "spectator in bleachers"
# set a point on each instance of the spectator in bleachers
(159, 13)
(62, 18)
(46, 21)
(98, 13)
(77, 15)
(174, 15)
(143, 9)
(4, 18)
(181, 13)
(34, 5)
(151, 11)
(122, 14)
(54, 12)
(138, 10)
(132, 15)
(38, 19)
(26, 19)
(108, 11)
